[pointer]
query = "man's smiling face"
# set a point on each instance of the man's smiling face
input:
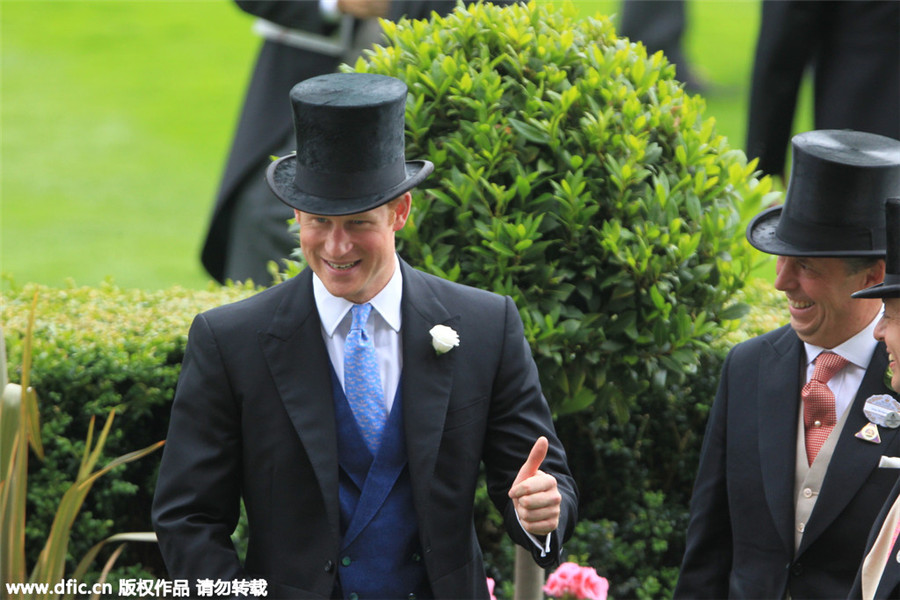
(888, 331)
(818, 292)
(353, 255)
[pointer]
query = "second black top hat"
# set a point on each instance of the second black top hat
(891, 286)
(835, 198)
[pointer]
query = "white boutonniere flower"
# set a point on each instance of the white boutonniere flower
(443, 338)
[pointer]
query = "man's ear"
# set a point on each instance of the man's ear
(400, 211)
(297, 215)
(875, 274)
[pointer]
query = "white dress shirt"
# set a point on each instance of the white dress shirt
(383, 328)
(858, 350)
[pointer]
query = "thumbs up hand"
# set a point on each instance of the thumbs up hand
(534, 493)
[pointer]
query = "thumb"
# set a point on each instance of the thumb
(535, 458)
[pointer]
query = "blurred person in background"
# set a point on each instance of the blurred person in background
(301, 39)
(789, 481)
(853, 50)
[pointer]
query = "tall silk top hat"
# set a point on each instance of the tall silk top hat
(834, 201)
(891, 286)
(350, 146)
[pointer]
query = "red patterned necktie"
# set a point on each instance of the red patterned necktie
(819, 415)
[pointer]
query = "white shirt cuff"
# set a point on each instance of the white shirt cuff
(544, 546)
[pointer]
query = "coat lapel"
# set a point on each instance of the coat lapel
(777, 428)
(854, 459)
(298, 362)
(427, 381)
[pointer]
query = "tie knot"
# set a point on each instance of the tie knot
(360, 313)
(827, 364)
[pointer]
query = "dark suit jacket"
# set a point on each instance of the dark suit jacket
(253, 416)
(740, 539)
(853, 47)
(266, 118)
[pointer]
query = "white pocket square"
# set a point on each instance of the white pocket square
(889, 462)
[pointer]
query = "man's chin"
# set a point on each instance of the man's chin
(804, 332)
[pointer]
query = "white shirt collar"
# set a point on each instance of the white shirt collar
(332, 309)
(858, 349)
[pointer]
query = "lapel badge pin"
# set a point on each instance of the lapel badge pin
(869, 433)
(883, 410)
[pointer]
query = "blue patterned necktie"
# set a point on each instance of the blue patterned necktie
(362, 383)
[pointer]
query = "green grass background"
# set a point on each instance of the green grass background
(116, 117)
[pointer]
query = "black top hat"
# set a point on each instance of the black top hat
(833, 205)
(350, 146)
(891, 286)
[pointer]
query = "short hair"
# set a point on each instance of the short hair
(855, 264)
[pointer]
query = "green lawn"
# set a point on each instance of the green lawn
(116, 118)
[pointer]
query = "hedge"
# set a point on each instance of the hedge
(96, 349)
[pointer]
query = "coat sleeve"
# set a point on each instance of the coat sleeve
(706, 567)
(295, 14)
(196, 505)
(519, 415)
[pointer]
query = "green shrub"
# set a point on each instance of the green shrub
(574, 174)
(20, 430)
(94, 350)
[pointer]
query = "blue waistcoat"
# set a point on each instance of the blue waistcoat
(380, 555)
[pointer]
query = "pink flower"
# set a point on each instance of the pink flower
(572, 581)
(490, 584)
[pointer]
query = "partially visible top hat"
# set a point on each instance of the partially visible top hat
(350, 146)
(833, 206)
(891, 286)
